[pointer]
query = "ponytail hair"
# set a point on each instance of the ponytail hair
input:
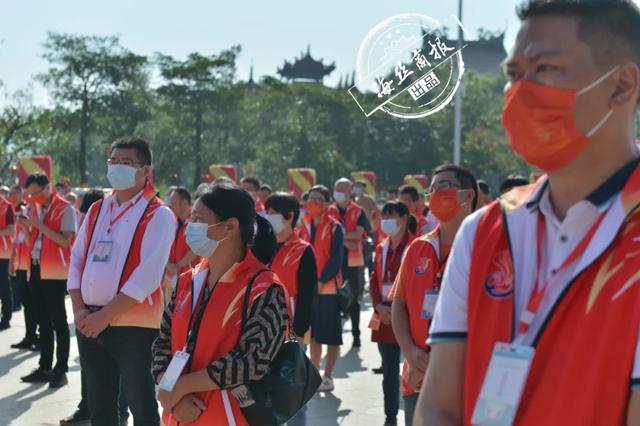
(228, 200)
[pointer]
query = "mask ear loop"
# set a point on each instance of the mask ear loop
(598, 81)
(466, 202)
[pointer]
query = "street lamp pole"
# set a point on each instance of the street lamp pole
(457, 111)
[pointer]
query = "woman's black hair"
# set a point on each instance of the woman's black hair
(229, 200)
(323, 190)
(89, 198)
(286, 204)
(402, 210)
(395, 207)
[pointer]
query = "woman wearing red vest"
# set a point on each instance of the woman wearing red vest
(327, 238)
(204, 318)
(7, 230)
(452, 197)
(389, 252)
(295, 265)
(294, 262)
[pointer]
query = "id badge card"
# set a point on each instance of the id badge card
(429, 304)
(174, 371)
(20, 238)
(503, 385)
(386, 290)
(102, 251)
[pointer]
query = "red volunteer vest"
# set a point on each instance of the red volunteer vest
(286, 264)
(179, 249)
(421, 270)
(585, 351)
(54, 259)
(5, 241)
(22, 255)
(219, 331)
(322, 248)
(350, 223)
(146, 314)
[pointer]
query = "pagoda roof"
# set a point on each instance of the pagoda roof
(306, 68)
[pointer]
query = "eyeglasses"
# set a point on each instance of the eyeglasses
(441, 186)
(123, 161)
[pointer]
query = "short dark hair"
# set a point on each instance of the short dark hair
(143, 151)
(89, 198)
(323, 190)
(512, 181)
(183, 193)
(396, 207)
(38, 178)
(286, 204)
(611, 28)
(464, 176)
(267, 188)
(484, 187)
(409, 190)
(252, 181)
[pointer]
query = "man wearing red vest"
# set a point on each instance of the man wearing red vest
(6, 232)
(354, 221)
(49, 229)
(252, 186)
(180, 257)
(117, 265)
(452, 196)
(538, 320)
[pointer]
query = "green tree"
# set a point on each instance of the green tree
(193, 87)
(87, 70)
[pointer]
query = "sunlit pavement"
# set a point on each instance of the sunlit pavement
(357, 399)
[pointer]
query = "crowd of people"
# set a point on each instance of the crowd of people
(521, 310)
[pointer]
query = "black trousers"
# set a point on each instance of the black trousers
(26, 298)
(48, 297)
(120, 353)
(355, 276)
(6, 295)
(83, 406)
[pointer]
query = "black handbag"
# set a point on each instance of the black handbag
(345, 296)
(291, 382)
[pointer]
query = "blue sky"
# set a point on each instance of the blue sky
(269, 31)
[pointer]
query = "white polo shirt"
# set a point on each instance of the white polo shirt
(560, 239)
(100, 280)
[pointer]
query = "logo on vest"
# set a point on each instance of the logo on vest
(499, 282)
(182, 300)
(423, 265)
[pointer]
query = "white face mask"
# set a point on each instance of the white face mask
(340, 197)
(390, 226)
(121, 177)
(277, 222)
(198, 241)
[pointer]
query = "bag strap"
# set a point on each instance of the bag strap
(245, 306)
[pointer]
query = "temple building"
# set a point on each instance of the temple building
(306, 69)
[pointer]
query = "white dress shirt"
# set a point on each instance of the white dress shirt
(99, 281)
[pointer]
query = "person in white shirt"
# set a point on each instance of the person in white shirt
(117, 264)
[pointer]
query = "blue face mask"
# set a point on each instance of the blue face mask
(121, 177)
(198, 241)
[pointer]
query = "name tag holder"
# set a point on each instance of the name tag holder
(503, 385)
(429, 304)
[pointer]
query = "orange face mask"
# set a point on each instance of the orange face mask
(38, 199)
(315, 208)
(540, 123)
(444, 204)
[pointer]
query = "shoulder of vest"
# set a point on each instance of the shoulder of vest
(519, 196)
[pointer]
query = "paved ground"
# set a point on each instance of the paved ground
(357, 399)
